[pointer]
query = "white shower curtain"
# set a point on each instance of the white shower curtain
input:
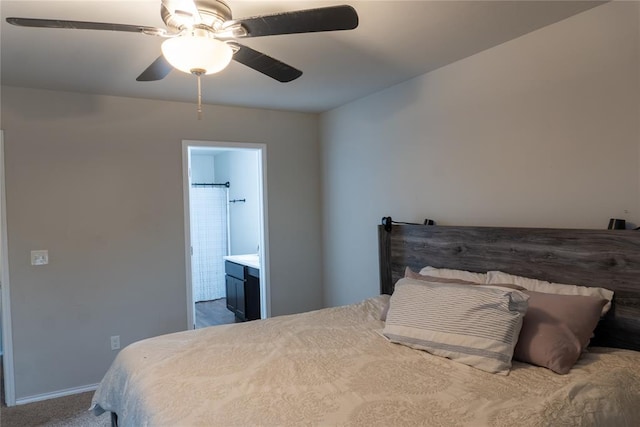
(209, 242)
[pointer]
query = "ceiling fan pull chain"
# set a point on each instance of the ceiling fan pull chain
(199, 99)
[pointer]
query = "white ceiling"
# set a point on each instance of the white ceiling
(395, 41)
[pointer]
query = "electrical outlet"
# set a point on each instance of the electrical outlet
(115, 342)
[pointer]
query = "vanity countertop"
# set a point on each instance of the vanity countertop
(250, 260)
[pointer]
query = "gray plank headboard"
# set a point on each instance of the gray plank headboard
(600, 258)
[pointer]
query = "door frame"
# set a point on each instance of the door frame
(265, 294)
(7, 335)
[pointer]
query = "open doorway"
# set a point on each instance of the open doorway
(226, 246)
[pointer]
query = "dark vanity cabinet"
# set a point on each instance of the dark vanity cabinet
(243, 290)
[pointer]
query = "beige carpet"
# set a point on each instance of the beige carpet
(69, 411)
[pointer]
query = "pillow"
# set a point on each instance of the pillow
(454, 274)
(556, 329)
(410, 274)
(551, 288)
(473, 325)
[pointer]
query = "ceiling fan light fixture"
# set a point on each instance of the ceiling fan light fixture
(189, 53)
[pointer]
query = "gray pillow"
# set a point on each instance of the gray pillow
(557, 329)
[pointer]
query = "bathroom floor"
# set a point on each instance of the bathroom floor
(215, 312)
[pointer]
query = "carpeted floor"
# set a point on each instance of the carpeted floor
(68, 411)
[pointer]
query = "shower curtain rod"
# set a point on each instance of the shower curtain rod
(210, 184)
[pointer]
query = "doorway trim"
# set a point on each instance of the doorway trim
(265, 289)
(7, 335)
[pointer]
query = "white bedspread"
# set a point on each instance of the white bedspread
(332, 367)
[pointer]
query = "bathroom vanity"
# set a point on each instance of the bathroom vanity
(243, 285)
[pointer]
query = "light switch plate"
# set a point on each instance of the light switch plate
(40, 257)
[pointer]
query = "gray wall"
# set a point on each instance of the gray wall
(203, 167)
(541, 131)
(240, 168)
(97, 181)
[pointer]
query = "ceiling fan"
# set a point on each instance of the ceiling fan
(201, 35)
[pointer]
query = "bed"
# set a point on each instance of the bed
(336, 366)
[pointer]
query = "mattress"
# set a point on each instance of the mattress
(333, 367)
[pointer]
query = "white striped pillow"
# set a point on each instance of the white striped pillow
(473, 325)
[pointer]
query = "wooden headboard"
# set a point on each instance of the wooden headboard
(597, 258)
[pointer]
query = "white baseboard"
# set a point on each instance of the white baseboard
(55, 394)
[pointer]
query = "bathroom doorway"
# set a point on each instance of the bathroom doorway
(225, 233)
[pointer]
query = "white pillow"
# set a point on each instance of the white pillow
(495, 277)
(475, 325)
(448, 273)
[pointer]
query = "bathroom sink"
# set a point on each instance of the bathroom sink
(250, 260)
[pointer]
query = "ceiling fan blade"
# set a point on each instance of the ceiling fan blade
(332, 18)
(265, 64)
(85, 25)
(158, 70)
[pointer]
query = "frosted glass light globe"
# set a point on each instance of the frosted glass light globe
(192, 53)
